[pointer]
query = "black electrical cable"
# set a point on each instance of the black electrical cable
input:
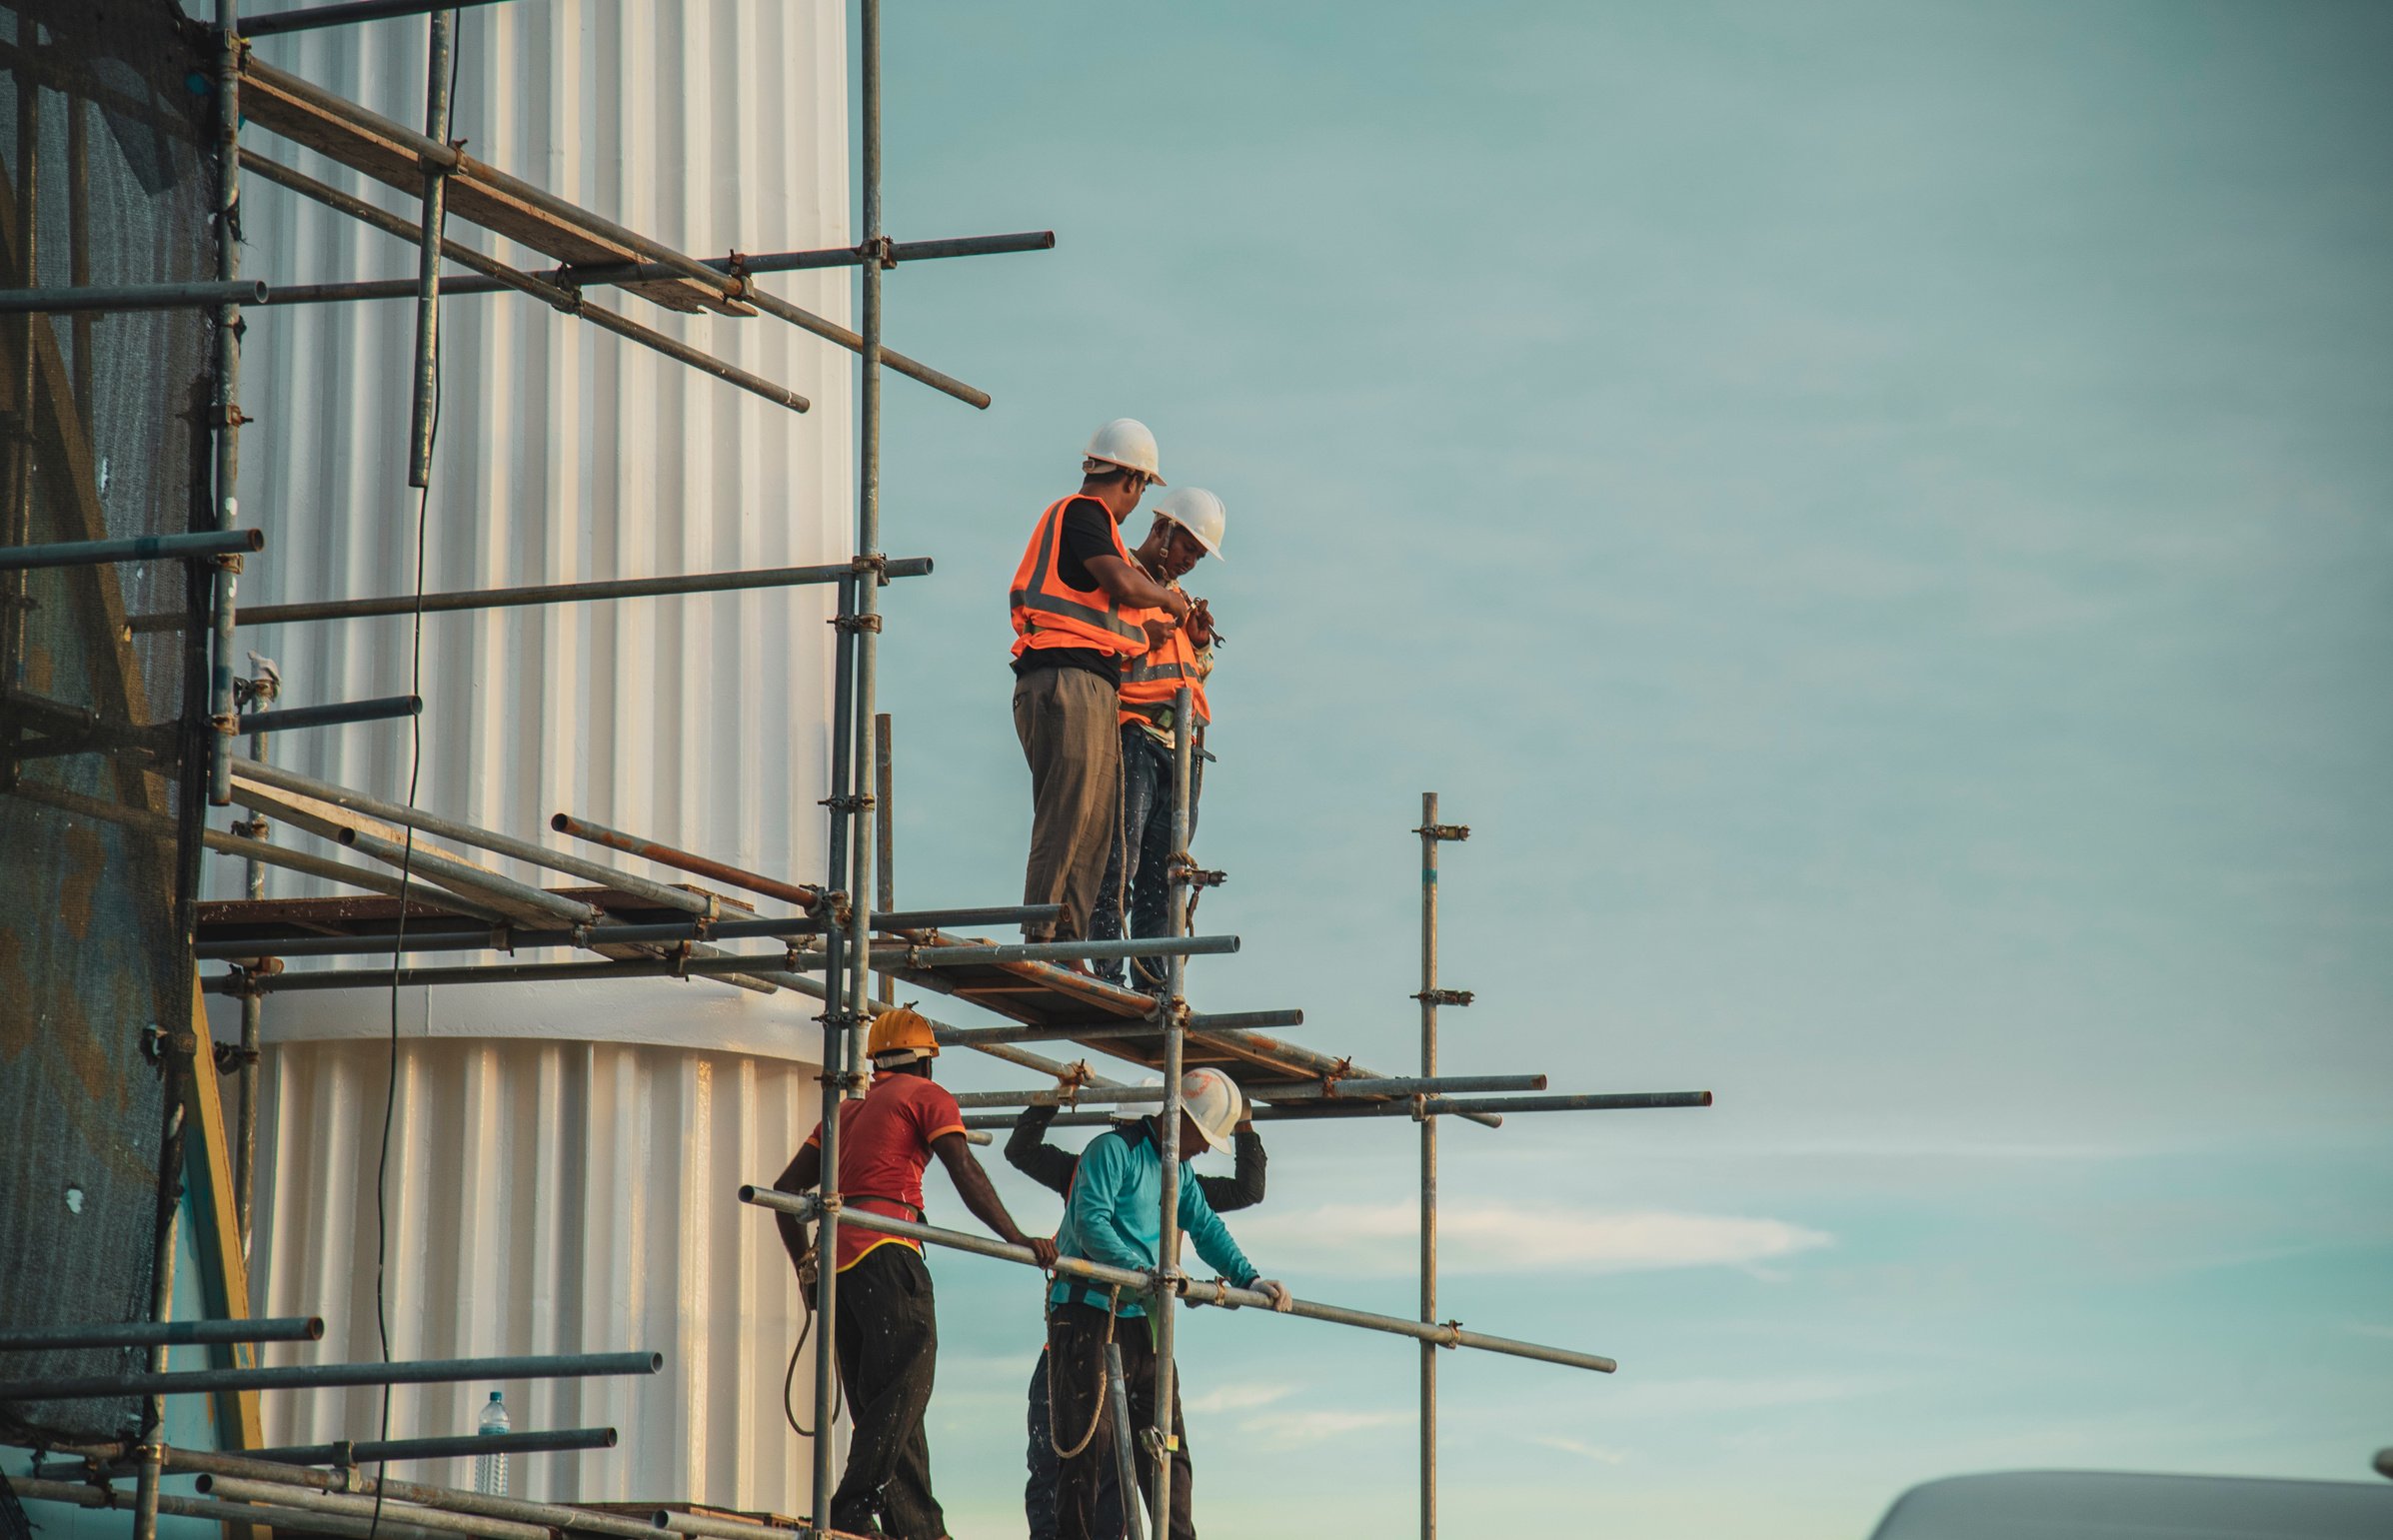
(407, 872)
(788, 1411)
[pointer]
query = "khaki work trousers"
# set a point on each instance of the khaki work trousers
(1066, 720)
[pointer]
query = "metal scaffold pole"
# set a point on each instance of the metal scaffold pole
(1163, 1437)
(1430, 996)
(228, 398)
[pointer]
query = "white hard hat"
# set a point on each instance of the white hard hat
(1196, 510)
(1214, 1102)
(1128, 442)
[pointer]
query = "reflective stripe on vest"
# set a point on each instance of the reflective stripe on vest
(1050, 612)
(1148, 685)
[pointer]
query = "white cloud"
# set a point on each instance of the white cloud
(1237, 1398)
(2368, 1329)
(1378, 1239)
(1585, 1452)
(1313, 1428)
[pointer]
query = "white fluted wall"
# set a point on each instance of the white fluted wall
(545, 1197)
(563, 1159)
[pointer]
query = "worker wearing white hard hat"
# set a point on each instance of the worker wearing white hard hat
(1082, 610)
(1188, 523)
(1115, 1216)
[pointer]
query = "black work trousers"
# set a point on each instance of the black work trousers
(1039, 1493)
(1076, 1353)
(888, 1339)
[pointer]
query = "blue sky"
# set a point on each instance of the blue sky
(1877, 515)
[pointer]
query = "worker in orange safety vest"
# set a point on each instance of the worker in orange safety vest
(1082, 612)
(1188, 523)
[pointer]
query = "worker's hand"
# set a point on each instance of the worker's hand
(1281, 1300)
(1044, 1249)
(1159, 631)
(1175, 604)
(1201, 625)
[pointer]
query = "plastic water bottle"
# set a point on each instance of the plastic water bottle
(489, 1470)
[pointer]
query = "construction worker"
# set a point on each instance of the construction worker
(886, 1332)
(1187, 528)
(1027, 1151)
(1081, 611)
(1114, 1216)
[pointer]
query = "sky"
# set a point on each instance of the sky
(1878, 517)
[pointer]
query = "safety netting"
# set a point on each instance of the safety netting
(107, 179)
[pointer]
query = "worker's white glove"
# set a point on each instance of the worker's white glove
(1281, 1299)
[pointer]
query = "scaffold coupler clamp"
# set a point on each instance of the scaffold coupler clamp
(879, 249)
(868, 621)
(1444, 996)
(1420, 1106)
(1453, 831)
(1454, 1334)
(876, 563)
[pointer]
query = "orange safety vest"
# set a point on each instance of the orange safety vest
(1150, 683)
(1047, 611)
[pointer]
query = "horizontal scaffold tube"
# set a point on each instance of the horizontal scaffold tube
(1284, 1092)
(507, 939)
(316, 1377)
(968, 955)
(347, 1505)
(76, 1494)
(480, 839)
(280, 1328)
(489, 974)
(291, 719)
(1113, 1027)
(1411, 1106)
(549, 1515)
(132, 548)
(687, 860)
(377, 1452)
(544, 594)
(205, 295)
(1203, 1292)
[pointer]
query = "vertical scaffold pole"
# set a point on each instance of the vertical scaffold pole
(228, 397)
(835, 1052)
(868, 515)
(1164, 1438)
(1430, 996)
(437, 111)
(1429, 1164)
(885, 841)
(245, 1140)
(846, 978)
(149, 1450)
(15, 609)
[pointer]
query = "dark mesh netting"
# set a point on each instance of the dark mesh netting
(105, 180)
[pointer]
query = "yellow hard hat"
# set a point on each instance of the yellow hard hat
(901, 1036)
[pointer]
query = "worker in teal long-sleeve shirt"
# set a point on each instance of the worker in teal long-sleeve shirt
(1114, 1215)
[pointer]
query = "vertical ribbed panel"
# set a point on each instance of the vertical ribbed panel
(546, 1198)
(564, 453)
(546, 1193)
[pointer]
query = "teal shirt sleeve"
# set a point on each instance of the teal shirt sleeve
(1095, 1206)
(1210, 1235)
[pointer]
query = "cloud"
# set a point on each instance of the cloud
(2369, 1329)
(1313, 1428)
(1237, 1398)
(1585, 1452)
(1365, 1239)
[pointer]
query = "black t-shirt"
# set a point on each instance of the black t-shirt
(1088, 532)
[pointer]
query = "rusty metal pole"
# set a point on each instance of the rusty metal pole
(1430, 996)
(1164, 1438)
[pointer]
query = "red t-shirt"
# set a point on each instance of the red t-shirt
(884, 1141)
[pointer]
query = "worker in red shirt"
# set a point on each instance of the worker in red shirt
(886, 1335)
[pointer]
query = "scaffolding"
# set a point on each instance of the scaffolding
(412, 894)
